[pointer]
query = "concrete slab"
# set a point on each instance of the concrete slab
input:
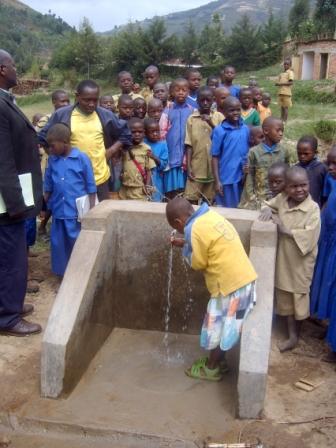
(136, 387)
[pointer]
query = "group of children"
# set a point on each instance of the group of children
(216, 144)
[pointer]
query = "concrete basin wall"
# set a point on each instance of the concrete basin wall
(118, 276)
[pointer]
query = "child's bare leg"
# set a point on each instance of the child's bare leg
(215, 356)
(293, 334)
(284, 113)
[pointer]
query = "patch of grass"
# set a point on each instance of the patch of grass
(35, 98)
(296, 129)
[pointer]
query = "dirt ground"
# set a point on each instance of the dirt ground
(292, 418)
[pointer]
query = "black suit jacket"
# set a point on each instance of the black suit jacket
(18, 155)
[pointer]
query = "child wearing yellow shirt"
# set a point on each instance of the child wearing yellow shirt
(212, 245)
(285, 83)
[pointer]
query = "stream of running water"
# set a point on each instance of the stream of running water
(168, 302)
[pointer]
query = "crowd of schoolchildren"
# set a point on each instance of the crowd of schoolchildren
(216, 143)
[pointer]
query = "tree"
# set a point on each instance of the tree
(81, 50)
(273, 33)
(211, 42)
(244, 47)
(325, 16)
(189, 45)
(298, 15)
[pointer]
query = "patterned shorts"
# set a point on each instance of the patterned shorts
(225, 316)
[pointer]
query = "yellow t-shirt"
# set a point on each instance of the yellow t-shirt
(219, 253)
(88, 136)
(264, 112)
(285, 77)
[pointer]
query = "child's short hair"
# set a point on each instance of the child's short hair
(211, 78)
(135, 120)
(202, 90)
(154, 102)
(86, 84)
(59, 132)
(279, 167)
(310, 139)
(150, 122)
(293, 171)
(226, 67)
(191, 71)
(124, 72)
(179, 80)
(245, 90)
(124, 98)
(57, 93)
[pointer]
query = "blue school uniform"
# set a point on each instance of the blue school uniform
(66, 179)
(192, 99)
(323, 289)
(160, 150)
(175, 178)
(329, 186)
(316, 171)
(230, 144)
(234, 89)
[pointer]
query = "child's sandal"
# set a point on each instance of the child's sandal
(223, 365)
(200, 371)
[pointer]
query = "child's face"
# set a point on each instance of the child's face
(220, 96)
(194, 81)
(246, 99)
(155, 112)
(276, 182)
(274, 132)
(160, 91)
(213, 83)
(126, 109)
(266, 100)
(286, 65)
(256, 137)
(126, 83)
(180, 92)
(205, 101)
(228, 75)
(140, 108)
(151, 77)
(153, 132)
(233, 112)
(305, 152)
(58, 148)
(331, 162)
(107, 102)
(136, 87)
(257, 95)
(88, 100)
(138, 133)
(61, 100)
(297, 188)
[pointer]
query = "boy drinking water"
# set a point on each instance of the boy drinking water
(68, 176)
(230, 146)
(212, 245)
(200, 183)
(298, 220)
(137, 165)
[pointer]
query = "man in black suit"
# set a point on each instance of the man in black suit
(18, 155)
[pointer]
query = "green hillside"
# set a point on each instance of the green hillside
(230, 12)
(27, 34)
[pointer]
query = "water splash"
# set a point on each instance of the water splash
(168, 303)
(189, 301)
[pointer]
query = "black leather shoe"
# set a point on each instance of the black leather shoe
(27, 310)
(22, 328)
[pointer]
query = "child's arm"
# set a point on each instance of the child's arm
(92, 199)
(189, 156)
(113, 150)
(250, 178)
(47, 183)
(208, 120)
(216, 150)
(89, 179)
(154, 157)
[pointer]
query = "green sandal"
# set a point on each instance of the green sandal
(200, 371)
(223, 366)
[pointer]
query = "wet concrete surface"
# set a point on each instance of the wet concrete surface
(136, 387)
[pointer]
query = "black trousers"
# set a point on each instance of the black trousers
(13, 273)
(103, 191)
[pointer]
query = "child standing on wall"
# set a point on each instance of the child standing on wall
(229, 149)
(285, 84)
(298, 220)
(176, 117)
(137, 165)
(200, 183)
(212, 245)
(68, 176)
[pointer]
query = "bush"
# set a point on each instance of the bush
(313, 92)
(326, 130)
